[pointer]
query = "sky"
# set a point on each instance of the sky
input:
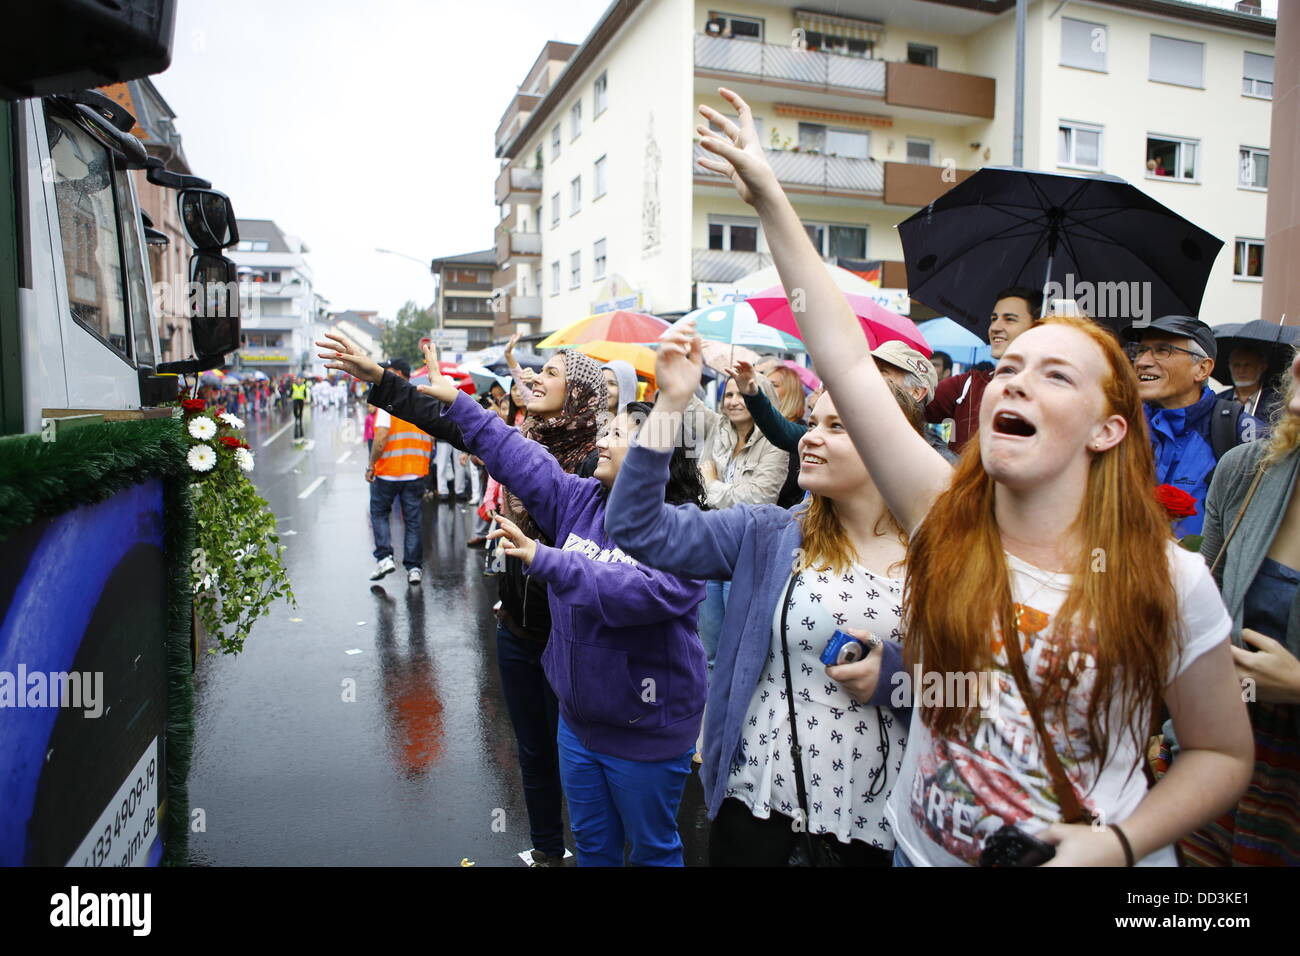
(357, 125)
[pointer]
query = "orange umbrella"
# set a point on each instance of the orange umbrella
(639, 357)
(618, 326)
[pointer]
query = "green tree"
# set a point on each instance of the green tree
(402, 340)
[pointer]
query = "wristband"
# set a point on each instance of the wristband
(1123, 841)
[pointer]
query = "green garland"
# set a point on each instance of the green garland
(179, 540)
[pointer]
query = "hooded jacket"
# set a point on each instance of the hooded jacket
(625, 376)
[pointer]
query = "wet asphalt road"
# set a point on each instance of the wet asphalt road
(420, 768)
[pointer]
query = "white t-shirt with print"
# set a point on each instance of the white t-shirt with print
(852, 753)
(955, 792)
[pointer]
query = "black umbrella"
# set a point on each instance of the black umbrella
(1119, 253)
(1276, 342)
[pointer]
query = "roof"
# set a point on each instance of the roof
(355, 320)
(264, 229)
(488, 257)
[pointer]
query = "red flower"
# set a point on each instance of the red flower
(194, 404)
(1177, 503)
(232, 442)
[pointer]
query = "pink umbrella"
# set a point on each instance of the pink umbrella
(805, 374)
(878, 323)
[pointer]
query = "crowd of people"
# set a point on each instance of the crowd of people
(783, 590)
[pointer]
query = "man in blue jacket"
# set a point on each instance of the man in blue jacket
(1191, 427)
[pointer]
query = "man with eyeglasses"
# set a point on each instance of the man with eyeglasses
(1191, 428)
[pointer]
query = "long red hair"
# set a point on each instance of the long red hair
(1121, 609)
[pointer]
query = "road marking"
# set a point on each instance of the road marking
(277, 434)
(312, 487)
(344, 457)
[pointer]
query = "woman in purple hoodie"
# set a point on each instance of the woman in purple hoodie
(623, 656)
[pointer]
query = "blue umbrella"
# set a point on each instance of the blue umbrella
(736, 324)
(964, 346)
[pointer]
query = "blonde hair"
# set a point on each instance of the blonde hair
(791, 404)
(1285, 434)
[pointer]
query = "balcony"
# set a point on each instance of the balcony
(525, 307)
(914, 184)
(726, 265)
(785, 66)
(513, 247)
(516, 115)
(810, 173)
(928, 88)
(516, 185)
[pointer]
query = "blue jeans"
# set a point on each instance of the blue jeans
(382, 494)
(613, 800)
(712, 610)
(535, 716)
(900, 858)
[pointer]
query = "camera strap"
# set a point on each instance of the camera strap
(796, 751)
(1071, 809)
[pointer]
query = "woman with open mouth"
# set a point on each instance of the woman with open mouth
(1043, 559)
(623, 657)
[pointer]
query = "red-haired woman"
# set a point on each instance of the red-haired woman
(1043, 555)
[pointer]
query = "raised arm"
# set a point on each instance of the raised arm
(776, 428)
(908, 472)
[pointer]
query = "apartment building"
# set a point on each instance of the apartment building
(464, 300)
(282, 314)
(866, 114)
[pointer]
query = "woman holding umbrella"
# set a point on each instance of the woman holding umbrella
(1005, 578)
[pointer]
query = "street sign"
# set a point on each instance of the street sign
(451, 340)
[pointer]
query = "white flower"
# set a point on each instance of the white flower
(231, 420)
(202, 457)
(202, 427)
(244, 458)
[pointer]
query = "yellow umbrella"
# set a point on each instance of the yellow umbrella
(639, 357)
(618, 326)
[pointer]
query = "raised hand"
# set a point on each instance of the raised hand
(510, 350)
(736, 151)
(517, 544)
(678, 364)
(345, 356)
(440, 386)
(745, 376)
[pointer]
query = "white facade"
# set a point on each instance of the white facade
(282, 314)
(653, 220)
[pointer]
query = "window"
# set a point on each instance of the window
(555, 142)
(1248, 260)
(1257, 76)
(922, 55)
(832, 43)
(469, 277)
(1181, 62)
(537, 159)
(92, 256)
(468, 306)
(251, 245)
(1171, 158)
(537, 218)
(742, 28)
(1252, 169)
(1083, 44)
(599, 175)
(1078, 144)
(736, 233)
(598, 260)
(575, 120)
(814, 137)
(832, 241)
(575, 195)
(920, 151)
(555, 277)
(555, 210)
(600, 95)
(575, 270)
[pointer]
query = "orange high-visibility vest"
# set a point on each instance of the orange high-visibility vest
(407, 451)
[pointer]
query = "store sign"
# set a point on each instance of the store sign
(263, 356)
(617, 294)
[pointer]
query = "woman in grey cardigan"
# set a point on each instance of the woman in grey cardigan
(1258, 572)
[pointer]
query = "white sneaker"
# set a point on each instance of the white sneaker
(385, 566)
(413, 576)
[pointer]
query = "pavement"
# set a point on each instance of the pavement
(365, 727)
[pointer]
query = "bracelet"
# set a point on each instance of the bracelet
(1123, 840)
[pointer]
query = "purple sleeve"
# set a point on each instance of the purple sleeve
(891, 663)
(623, 594)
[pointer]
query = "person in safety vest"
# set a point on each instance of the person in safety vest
(399, 461)
(298, 392)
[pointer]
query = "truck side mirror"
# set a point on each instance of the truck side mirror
(208, 219)
(214, 305)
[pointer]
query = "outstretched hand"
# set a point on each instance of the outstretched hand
(678, 364)
(517, 544)
(737, 154)
(440, 386)
(345, 356)
(745, 376)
